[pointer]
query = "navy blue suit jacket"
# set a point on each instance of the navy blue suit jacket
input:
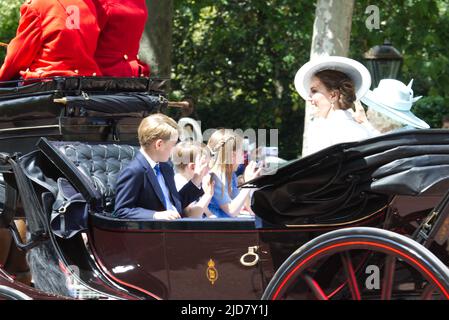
(138, 190)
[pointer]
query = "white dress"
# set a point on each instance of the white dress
(338, 127)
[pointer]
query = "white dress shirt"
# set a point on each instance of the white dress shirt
(169, 204)
(180, 181)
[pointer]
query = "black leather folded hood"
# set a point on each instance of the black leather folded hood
(30, 108)
(351, 181)
(76, 108)
(116, 103)
(39, 100)
(73, 85)
(44, 106)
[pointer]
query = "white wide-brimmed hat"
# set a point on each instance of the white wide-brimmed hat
(394, 99)
(358, 73)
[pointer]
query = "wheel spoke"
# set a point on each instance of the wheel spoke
(361, 263)
(350, 274)
(333, 293)
(315, 287)
(387, 282)
(427, 293)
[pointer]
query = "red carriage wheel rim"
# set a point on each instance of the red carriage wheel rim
(344, 244)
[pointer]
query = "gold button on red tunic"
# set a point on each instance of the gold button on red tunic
(122, 24)
(44, 46)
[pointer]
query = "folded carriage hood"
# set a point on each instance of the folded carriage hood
(350, 181)
(63, 95)
(73, 85)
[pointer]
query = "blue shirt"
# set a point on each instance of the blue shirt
(222, 197)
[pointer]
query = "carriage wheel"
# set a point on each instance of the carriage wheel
(7, 293)
(406, 269)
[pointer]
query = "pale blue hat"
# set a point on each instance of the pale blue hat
(394, 99)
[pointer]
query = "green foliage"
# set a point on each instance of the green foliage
(432, 110)
(419, 29)
(238, 58)
(9, 19)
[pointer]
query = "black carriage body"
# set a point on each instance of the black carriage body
(391, 182)
(214, 259)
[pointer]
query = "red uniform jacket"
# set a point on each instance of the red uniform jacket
(54, 38)
(122, 23)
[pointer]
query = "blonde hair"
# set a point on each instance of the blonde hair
(156, 126)
(381, 122)
(222, 144)
(186, 152)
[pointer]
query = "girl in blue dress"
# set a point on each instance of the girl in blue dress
(227, 149)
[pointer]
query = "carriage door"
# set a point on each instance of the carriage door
(204, 260)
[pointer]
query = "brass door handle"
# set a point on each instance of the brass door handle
(250, 254)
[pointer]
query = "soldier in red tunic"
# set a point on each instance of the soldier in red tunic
(122, 24)
(54, 38)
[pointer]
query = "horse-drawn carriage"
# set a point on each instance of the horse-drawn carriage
(362, 220)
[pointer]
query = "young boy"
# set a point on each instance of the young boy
(184, 158)
(146, 187)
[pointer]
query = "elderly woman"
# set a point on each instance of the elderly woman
(390, 107)
(332, 85)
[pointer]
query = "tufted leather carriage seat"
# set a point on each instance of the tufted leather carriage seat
(93, 169)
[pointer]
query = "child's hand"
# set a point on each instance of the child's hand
(359, 115)
(166, 215)
(208, 186)
(246, 212)
(201, 169)
(251, 171)
(201, 166)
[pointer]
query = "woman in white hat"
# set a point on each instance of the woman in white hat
(332, 85)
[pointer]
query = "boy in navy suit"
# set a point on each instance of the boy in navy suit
(146, 187)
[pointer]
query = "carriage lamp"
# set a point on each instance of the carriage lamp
(383, 61)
